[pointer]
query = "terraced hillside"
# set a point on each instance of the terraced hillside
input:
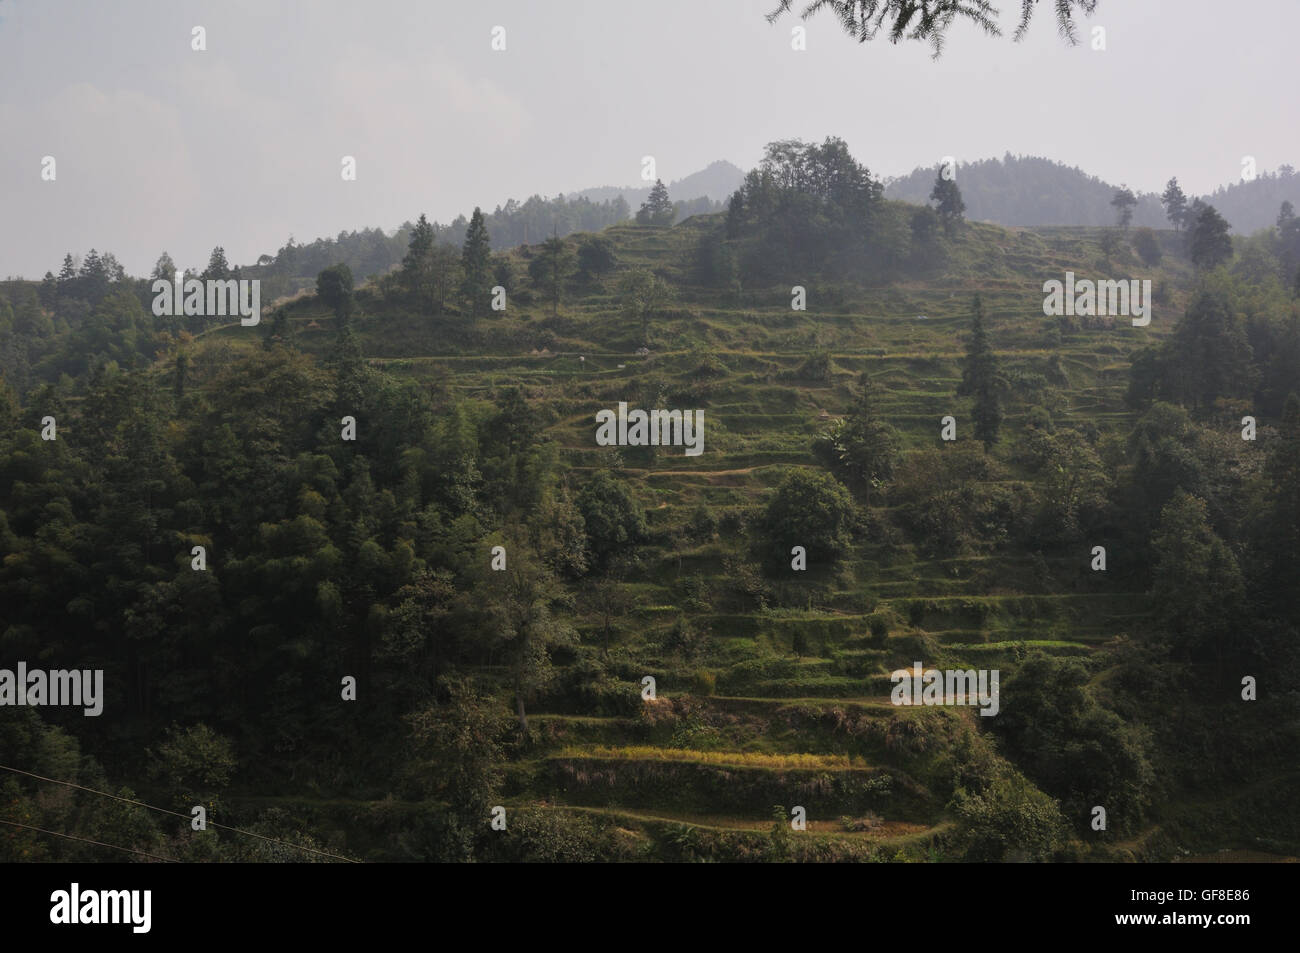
(772, 689)
(474, 614)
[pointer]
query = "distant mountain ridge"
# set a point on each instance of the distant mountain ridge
(716, 181)
(1030, 190)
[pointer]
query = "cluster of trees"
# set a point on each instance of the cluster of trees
(1207, 358)
(1184, 493)
(89, 315)
(371, 251)
(430, 270)
(1209, 243)
(1218, 360)
(807, 210)
(433, 272)
(88, 283)
(1213, 538)
(812, 211)
(317, 557)
(1207, 522)
(1251, 205)
(1002, 191)
(191, 766)
(366, 253)
(520, 223)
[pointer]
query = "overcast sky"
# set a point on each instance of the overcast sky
(161, 147)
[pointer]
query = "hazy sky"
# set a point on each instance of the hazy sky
(161, 147)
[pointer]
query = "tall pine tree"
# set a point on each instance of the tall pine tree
(476, 262)
(67, 279)
(218, 268)
(417, 264)
(1209, 243)
(550, 267)
(658, 208)
(979, 379)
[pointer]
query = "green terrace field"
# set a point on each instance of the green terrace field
(771, 685)
(783, 699)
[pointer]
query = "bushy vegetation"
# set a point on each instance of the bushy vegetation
(500, 588)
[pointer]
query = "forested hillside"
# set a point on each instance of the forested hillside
(360, 574)
(372, 251)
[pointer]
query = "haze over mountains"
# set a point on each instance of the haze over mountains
(1015, 190)
(1030, 190)
(1012, 190)
(716, 181)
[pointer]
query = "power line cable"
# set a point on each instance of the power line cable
(186, 817)
(87, 840)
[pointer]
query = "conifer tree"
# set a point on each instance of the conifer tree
(1175, 203)
(67, 274)
(1288, 240)
(658, 208)
(950, 205)
(551, 267)
(164, 268)
(218, 268)
(979, 378)
(417, 263)
(1207, 236)
(49, 291)
(93, 277)
(476, 262)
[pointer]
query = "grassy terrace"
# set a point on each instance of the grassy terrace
(744, 721)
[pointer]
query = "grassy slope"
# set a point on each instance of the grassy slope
(773, 733)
